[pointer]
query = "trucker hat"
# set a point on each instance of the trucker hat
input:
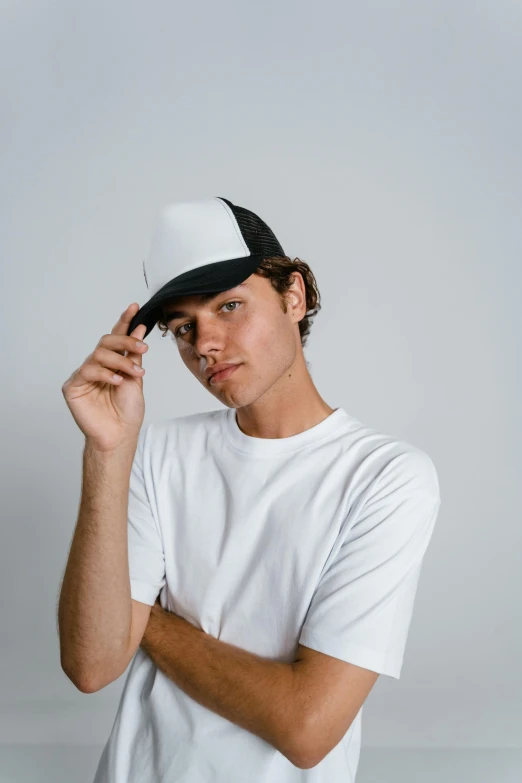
(201, 246)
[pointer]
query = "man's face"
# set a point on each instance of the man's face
(245, 326)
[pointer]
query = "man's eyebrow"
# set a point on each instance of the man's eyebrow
(170, 315)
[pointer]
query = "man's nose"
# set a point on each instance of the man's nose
(209, 335)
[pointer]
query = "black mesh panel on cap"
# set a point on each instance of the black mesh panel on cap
(258, 236)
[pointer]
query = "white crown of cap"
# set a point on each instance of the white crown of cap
(190, 234)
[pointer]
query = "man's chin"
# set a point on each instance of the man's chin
(233, 396)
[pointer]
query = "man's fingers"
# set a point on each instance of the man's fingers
(122, 324)
(139, 333)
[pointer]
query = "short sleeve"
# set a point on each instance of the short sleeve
(362, 607)
(145, 547)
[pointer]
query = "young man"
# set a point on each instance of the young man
(284, 537)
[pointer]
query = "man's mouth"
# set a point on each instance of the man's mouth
(223, 374)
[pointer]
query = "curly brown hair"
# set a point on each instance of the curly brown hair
(279, 270)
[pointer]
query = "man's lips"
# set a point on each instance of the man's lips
(217, 368)
(223, 374)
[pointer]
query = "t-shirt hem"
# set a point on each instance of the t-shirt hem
(351, 652)
(143, 592)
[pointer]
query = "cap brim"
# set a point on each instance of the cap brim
(211, 278)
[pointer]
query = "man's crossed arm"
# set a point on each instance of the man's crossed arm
(303, 709)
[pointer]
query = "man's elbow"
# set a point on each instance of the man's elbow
(304, 756)
(86, 684)
(88, 688)
(301, 755)
(306, 747)
(309, 749)
(79, 683)
(297, 744)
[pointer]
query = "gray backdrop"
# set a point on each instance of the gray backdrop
(382, 143)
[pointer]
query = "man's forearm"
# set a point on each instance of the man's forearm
(94, 610)
(255, 693)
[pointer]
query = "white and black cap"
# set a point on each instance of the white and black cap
(200, 247)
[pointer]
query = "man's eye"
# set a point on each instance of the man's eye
(228, 303)
(179, 333)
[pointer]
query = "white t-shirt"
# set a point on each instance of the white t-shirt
(266, 543)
